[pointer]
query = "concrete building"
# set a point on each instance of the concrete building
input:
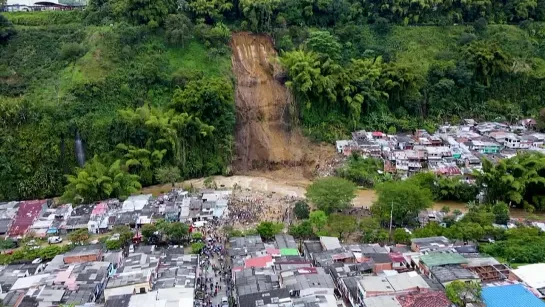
(307, 281)
(429, 244)
(371, 286)
(449, 273)
(437, 259)
(129, 283)
(84, 253)
(532, 275)
(135, 203)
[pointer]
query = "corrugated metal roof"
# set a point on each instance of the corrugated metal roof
(510, 296)
(437, 259)
(28, 212)
(289, 252)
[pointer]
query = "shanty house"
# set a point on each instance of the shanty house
(28, 212)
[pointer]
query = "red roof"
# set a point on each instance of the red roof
(26, 215)
(397, 257)
(258, 262)
(377, 133)
(272, 251)
(424, 299)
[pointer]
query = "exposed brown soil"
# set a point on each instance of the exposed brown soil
(266, 138)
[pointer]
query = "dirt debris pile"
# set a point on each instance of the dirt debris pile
(265, 135)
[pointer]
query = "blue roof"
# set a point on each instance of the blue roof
(510, 296)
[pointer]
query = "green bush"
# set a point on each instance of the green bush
(71, 51)
(45, 18)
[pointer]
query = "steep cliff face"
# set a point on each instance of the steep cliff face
(265, 136)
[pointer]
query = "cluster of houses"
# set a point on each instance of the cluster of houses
(38, 217)
(326, 273)
(89, 276)
(284, 272)
(452, 150)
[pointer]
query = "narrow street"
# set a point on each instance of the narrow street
(214, 276)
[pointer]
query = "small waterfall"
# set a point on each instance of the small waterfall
(80, 154)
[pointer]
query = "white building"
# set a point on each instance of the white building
(135, 203)
(533, 275)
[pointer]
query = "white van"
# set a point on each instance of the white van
(199, 224)
(54, 240)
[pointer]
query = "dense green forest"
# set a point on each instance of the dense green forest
(147, 85)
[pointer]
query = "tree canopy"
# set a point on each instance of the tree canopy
(96, 181)
(517, 181)
(407, 200)
(267, 230)
(463, 293)
(301, 210)
(331, 194)
(149, 84)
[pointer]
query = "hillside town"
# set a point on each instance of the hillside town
(453, 150)
(243, 271)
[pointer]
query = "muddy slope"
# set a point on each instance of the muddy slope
(265, 136)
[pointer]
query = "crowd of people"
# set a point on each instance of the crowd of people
(214, 282)
(214, 278)
(248, 210)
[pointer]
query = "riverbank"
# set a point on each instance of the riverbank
(296, 186)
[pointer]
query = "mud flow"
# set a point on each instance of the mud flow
(266, 137)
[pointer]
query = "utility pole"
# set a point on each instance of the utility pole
(391, 219)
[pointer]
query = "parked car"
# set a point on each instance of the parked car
(37, 260)
(54, 240)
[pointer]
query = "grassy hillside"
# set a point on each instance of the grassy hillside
(151, 104)
(59, 76)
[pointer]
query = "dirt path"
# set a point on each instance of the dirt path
(265, 136)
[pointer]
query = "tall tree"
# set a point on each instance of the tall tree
(341, 225)
(331, 194)
(267, 230)
(324, 44)
(318, 220)
(95, 181)
(487, 58)
(309, 78)
(141, 161)
(406, 198)
(148, 230)
(211, 10)
(260, 13)
(401, 236)
(501, 212)
(177, 231)
(302, 231)
(168, 174)
(301, 210)
(518, 181)
(178, 29)
(371, 232)
(147, 12)
(464, 293)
